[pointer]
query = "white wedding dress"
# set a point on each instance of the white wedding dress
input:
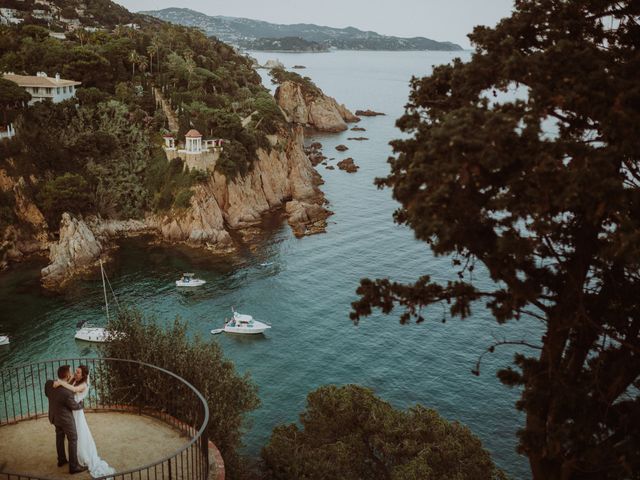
(87, 451)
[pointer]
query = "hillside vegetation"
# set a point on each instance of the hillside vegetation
(100, 153)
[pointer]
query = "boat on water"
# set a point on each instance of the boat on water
(243, 325)
(189, 280)
(91, 333)
(4, 339)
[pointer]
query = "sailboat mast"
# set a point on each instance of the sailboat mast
(104, 289)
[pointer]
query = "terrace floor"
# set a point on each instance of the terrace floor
(124, 440)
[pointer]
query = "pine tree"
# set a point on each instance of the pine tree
(544, 191)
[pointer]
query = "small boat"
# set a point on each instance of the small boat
(242, 324)
(4, 339)
(189, 280)
(266, 264)
(91, 333)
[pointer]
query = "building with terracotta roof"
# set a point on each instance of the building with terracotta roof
(42, 87)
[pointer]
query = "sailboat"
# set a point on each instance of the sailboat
(91, 333)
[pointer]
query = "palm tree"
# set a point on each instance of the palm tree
(134, 58)
(142, 63)
(82, 35)
(151, 51)
(156, 44)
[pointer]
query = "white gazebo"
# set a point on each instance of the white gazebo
(193, 141)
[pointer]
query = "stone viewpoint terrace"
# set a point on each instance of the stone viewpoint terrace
(148, 423)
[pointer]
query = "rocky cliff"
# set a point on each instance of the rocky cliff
(28, 233)
(311, 109)
(283, 177)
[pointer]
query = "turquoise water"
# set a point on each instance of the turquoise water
(307, 290)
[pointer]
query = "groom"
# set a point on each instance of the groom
(61, 404)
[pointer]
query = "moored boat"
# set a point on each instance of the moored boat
(243, 325)
(4, 339)
(189, 280)
(91, 333)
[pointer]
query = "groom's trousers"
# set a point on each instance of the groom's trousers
(72, 438)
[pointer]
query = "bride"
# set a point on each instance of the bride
(87, 452)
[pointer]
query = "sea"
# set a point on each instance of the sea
(304, 287)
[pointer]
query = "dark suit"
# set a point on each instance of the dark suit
(61, 404)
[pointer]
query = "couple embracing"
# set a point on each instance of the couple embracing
(66, 412)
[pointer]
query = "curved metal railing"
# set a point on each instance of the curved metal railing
(123, 386)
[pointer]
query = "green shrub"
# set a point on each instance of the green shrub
(183, 199)
(230, 396)
(348, 432)
(65, 193)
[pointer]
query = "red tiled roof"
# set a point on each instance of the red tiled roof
(193, 134)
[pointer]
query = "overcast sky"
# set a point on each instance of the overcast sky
(437, 19)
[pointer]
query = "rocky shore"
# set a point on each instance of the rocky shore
(319, 112)
(281, 178)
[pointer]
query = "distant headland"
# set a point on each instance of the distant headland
(258, 35)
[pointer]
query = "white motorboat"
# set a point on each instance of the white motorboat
(91, 333)
(4, 339)
(189, 280)
(242, 324)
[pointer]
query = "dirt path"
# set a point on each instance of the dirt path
(168, 111)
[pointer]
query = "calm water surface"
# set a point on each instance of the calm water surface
(307, 289)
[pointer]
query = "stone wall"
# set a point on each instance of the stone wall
(205, 161)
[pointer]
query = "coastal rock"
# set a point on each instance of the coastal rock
(271, 64)
(359, 129)
(314, 152)
(299, 67)
(368, 113)
(348, 165)
(277, 177)
(312, 109)
(306, 218)
(358, 139)
(29, 232)
(76, 250)
(342, 148)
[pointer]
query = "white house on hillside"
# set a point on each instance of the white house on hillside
(9, 16)
(42, 87)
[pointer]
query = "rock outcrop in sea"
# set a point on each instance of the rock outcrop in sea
(348, 165)
(312, 109)
(76, 250)
(368, 113)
